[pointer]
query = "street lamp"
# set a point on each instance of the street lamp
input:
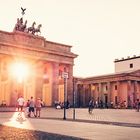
(74, 80)
(65, 77)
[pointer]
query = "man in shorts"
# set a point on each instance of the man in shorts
(20, 103)
(31, 107)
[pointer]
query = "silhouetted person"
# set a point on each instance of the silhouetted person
(101, 104)
(137, 105)
(90, 106)
(67, 104)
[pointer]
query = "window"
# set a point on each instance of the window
(131, 65)
(106, 88)
(116, 100)
(115, 87)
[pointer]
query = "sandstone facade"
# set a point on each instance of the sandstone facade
(46, 60)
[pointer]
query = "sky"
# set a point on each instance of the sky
(99, 31)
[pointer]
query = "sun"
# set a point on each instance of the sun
(19, 70)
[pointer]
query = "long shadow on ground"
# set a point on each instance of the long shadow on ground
(11, 133)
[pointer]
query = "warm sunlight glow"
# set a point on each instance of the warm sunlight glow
(18, 122)
(19, 70)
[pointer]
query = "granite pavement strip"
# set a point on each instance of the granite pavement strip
(106, 124)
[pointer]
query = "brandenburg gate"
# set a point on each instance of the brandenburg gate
(30, 65)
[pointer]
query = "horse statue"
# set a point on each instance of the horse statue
(18, 24)
(37, 30)
(31, 29)
(23, 26)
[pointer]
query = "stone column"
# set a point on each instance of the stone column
(136, 90)
(70, 84)
(100, 92)
(92, 91)
(78, 93)
(129, 94)
(119, 92)
(75, 97)
(83, 95)
(55, 81)
(101, 97)
(109, 92)
(88, 95)
(39, 80)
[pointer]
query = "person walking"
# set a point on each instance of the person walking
(38, 107)
(101, 104)
(20, 104)
(90, 106)
(96, 104)
(31, 107)
(137, 105)
(27, 107)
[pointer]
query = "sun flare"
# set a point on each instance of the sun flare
(19, 70)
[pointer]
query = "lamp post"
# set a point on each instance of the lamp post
(65, 77)
(73, 98)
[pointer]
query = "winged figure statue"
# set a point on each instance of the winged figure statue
(23, 10)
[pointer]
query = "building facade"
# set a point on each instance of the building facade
(118, 90)
(45, 60)
(127, 64)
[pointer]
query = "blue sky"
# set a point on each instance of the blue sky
(99, 30)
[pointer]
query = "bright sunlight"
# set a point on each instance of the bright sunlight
(19, 70)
